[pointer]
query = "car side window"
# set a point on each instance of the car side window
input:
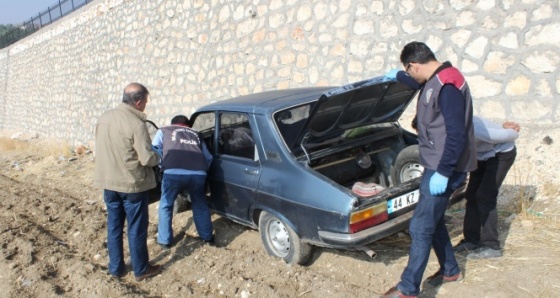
(290, 123)
(236, 136)
(205, 123)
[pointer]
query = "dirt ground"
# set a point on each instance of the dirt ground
(53, 238)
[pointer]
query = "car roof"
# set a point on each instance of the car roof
(268, 101)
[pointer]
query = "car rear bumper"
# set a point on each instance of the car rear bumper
(350, 241)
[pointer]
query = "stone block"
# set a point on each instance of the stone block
(363, 27)
(411, 27)
(545, 34)
(542, 62)
(498, 62)
(304, 13)
(482, 87)
(532, 110)
(509, 40)
(341, 21)
(543, 89)
(302, 61)
(461, 37)
(544, 12)
(518, 86)
(465, 18)
(493, 109)
(477, 47)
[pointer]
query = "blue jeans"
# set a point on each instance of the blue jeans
(171, 186)
(134, 208)
(427, 229)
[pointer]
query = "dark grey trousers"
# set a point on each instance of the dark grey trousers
(481, 217)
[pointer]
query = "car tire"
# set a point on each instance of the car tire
(182, 203)
(280, 240)
(407, 165)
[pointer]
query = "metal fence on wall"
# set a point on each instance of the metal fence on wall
(52, 14)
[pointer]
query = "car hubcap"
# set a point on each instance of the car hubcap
(279, 237)
(411, 171)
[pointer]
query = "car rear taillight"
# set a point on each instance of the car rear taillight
(369, 217)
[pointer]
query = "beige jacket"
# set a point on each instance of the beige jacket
(123, 151)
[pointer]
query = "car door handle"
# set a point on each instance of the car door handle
(251, 172)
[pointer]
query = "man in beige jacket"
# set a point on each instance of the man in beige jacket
(123, 169)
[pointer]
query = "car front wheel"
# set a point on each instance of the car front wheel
(281, 241)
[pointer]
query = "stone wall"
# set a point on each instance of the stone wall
(189, 53)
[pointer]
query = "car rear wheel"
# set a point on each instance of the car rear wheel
(407, 165)
(281, 241)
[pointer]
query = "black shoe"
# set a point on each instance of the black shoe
(465, 245)
(164, 246)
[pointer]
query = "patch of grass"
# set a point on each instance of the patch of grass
(54, 148)
(36, 147)
(7, 144)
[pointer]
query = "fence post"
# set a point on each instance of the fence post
(72, 5)
(50, 17)
(60, 8)
(40, 21)
(25, 25)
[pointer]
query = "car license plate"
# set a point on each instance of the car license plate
(403, 201)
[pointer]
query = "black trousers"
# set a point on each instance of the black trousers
(481, 217)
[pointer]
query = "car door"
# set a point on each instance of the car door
(235, 171)
(154, 193)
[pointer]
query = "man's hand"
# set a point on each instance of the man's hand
(438, 184)
(157, 150)
(392, 74)
(512, 125)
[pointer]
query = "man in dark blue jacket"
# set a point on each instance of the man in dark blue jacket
(185, 161)
(447, 152)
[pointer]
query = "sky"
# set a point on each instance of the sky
(19, 11)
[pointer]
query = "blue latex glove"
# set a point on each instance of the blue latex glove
(438, 184)
(392, 74)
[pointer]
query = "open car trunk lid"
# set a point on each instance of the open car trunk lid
(372, 101)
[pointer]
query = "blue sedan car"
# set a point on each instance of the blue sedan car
(319, 166)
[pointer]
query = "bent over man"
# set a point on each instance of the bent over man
(123, 169)
(185, 160)
(495, 147)
(447, 152)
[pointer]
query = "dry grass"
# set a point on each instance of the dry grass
(523, 196)
(40, 148)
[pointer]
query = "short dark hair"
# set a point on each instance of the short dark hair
(134, 92)
(180, 119)
(417, 52)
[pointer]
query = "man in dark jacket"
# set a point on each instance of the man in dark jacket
(185, 160)
(447, 152)
(123, 169)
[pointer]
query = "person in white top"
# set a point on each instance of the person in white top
(496, 151)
